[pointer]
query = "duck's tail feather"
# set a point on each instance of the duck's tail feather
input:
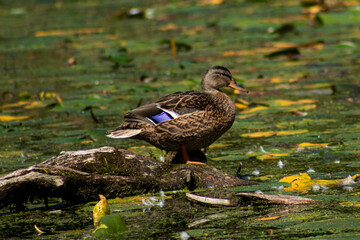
(123, 133)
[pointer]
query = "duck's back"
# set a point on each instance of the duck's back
(202, 119)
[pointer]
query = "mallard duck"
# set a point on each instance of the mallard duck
(188, 120)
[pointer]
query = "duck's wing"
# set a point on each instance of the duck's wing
(184, 102)
(169, 107)
(166, 108)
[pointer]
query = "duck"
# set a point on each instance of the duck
(187, 121)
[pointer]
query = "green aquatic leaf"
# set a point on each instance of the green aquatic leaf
(110, 225)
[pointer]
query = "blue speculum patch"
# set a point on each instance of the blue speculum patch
(160, 117)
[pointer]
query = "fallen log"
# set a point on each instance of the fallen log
(79, 176)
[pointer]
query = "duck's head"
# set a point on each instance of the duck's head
(218, 77)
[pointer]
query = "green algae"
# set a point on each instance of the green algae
(117, 48)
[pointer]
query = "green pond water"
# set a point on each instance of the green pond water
(59, 59)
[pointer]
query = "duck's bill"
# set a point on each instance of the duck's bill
(236, 86)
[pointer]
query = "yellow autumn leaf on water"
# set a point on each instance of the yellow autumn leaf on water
(272, 156)
(283, 44)
(218, 145)
(312, 145)
(307, 107)
(18, 104)
(267, 218)
(272, 133)
(303, 183)
(291, 132)
(276, 80)
(317, 86)
(255, 109)
(258, 134)
(210, 2)
(242, 106)
(281, 102)
(35, 104)
(300, 176)
(100, 210)
(6, 118)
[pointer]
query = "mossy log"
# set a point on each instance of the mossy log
(79, 176)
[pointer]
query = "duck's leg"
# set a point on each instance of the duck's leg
(185, 156)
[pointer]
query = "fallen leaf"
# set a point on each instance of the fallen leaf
(18, 104)
(291, 132)
(267, 218)
(272, 133)
(39, 231)
(241, 106)
(100, 210)
(210, 2)
(35, 104)
(258, 134)
(272, 156)
(281, 102)
(255, 109)
(5, 118)
(312, 145)
(303, 183)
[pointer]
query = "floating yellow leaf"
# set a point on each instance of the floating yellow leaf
(210, 2)
(291, 132)
(5, 118)
(242, 106)
(35, 104)
(283, 45)
(303, 182)
(317, 86)
(272, 156)
(258, 134)
(300, 176)
(100, 210)
(281, 102)
(307, 107)
(143, 146)
(312, 145)
(18, 104)
(255, 109)
(245, 116)
(350, 204)
(38, 230)
(218, 145)
(68, 32)
(272, 133)
(267, 218)
(276, 80)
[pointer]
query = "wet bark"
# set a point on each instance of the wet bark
(79, 176)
